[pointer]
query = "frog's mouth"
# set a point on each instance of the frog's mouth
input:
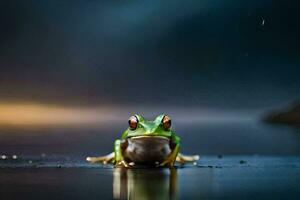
(149, 137)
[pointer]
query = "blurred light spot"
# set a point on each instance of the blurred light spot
(263, 22)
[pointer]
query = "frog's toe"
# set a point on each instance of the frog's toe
(196, 157)
(123, 164)
(131, 164)
(169, 163)
(91, 159)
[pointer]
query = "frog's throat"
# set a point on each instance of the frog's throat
(147, 149)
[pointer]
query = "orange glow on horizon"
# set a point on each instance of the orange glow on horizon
(41, 114)
(44, 115)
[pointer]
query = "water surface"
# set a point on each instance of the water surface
(238, 161)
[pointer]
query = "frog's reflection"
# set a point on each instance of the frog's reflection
(145, 183)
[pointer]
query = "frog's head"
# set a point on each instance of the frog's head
(138, 126)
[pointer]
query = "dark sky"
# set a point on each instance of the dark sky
(237, 54)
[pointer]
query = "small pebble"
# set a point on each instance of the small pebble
(243, 162)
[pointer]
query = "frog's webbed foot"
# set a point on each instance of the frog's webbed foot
(182, 159)
(123, 164)
(168, 162)
(104, 159)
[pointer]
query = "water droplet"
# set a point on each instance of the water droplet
(263, 22)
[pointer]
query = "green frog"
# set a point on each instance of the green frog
(151, 143)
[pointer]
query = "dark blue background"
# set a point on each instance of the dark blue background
(237, 54)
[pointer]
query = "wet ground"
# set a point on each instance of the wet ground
(229, 177)
(238, 161)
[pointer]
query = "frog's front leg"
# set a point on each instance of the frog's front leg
(120, 146)
(104, 159)
(172, 157)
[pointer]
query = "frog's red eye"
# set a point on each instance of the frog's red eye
(133, 121)
(166, 122)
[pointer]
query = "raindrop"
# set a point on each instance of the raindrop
(263, 22)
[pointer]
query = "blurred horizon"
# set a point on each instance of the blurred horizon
(29, 115)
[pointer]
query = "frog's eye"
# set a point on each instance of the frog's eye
(133, 121)
(166, 122)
